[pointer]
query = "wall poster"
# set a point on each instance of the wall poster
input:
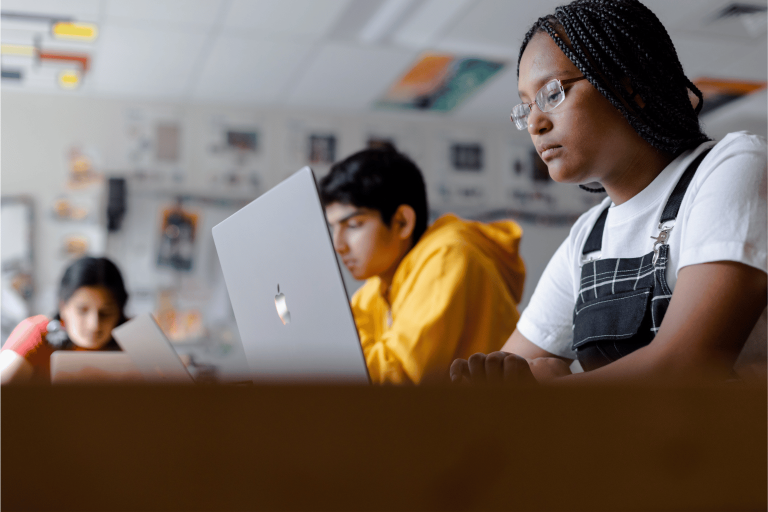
(177, 238)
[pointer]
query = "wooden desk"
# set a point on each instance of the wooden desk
(354, 448)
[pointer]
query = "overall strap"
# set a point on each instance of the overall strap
(676, 199)
(595, 239)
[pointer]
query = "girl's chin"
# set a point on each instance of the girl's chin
(91, 344)
(562, 174)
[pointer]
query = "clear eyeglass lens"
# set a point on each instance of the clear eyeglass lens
(550, 96)
(520, 115)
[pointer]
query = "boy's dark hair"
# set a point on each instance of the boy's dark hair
(624, 51)
(381, 179)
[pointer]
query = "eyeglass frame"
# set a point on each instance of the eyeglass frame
(561, 83)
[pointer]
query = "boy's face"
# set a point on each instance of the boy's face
(367, 246)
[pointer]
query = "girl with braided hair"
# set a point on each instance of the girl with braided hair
(666, 278)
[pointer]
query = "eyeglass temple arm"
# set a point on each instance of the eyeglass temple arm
(571, 80)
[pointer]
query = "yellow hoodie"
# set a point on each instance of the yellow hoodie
(454, 294)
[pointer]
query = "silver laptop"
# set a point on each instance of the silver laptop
(151, 352)
(286, 288)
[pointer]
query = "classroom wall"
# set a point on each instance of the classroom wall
(39, 131)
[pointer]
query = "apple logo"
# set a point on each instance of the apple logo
(282, 307)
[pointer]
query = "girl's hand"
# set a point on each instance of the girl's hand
(493, 368)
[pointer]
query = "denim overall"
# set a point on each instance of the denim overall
(622, 301)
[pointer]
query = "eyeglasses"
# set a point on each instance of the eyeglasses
(547, 98)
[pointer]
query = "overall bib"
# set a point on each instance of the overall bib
(622, 301)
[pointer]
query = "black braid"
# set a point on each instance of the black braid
(624, 51)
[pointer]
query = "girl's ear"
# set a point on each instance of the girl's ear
(405, 220)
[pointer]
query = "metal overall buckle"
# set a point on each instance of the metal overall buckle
(661, 239)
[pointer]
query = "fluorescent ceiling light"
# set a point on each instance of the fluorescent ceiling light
(23, 50)
(382, 23)
(69, 79)
(75, 31)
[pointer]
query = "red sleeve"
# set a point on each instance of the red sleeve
(28, 338)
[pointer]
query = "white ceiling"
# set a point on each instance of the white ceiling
(330, 54)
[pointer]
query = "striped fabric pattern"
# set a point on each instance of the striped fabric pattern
(606, 308)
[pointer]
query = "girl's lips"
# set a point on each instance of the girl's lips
(550, 153)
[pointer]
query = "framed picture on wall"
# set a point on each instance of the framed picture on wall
(242, 140)
(466, 157)
(321, 148)
(167, 141)
(177, 238)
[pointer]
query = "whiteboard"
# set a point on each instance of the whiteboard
(15, 231)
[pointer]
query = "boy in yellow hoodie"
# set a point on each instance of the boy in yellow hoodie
(433, 294)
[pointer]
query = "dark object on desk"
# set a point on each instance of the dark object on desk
(385, 448)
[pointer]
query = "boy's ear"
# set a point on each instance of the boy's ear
(405, 221)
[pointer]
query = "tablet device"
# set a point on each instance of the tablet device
(286, 289)
(151, 352)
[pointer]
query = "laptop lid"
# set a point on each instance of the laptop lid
(286, 288)
(79, 367)
(151, 352)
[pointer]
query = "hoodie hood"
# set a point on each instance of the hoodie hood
(499, 241)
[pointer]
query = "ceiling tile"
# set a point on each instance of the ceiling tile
(429, 21)
(263, 19)
(349, 77)
(496, 23)
(146, 62)
(697, 17)
(191, 13)
(245, 70)
(677, 13)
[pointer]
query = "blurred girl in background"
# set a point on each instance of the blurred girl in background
(91, 302)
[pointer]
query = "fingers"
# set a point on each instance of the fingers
(460, 371)
(494, 367)
(477, 368)
(517, 371)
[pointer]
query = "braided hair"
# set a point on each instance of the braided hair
(624, 51)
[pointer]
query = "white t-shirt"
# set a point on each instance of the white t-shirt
(723, 217)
